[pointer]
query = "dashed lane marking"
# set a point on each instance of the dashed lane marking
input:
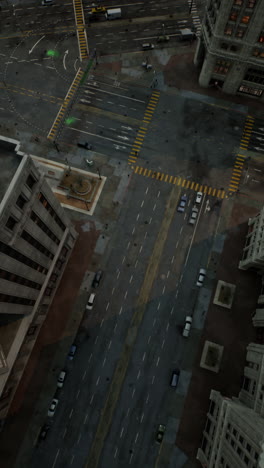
(179, 181)
(240, 158)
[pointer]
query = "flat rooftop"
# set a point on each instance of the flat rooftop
(9, 162)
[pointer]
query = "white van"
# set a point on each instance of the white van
(90, 302)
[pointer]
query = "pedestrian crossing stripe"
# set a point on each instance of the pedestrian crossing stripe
(184, 183)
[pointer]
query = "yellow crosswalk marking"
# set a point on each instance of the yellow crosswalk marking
(179, 181)
(175, 180)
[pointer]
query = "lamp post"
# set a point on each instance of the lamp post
(98, 170)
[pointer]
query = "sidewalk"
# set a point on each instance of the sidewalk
(55, 338)
(232, 329)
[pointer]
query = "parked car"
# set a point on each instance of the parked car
(187, 326)
(193, 216)
(61, 379)
(97, 279)
(85, 145)
(201, 276)
(90, 302)
(175, 378)
(44, 432)
(53, 407)
(160, 433)
(199, 197)
(163, 39)
(147, 46)
(72, 352)
(182, 203)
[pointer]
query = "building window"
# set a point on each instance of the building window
(7, 250)
(238, 2)
(35, 218)
(233, 15)
(240, 32)
(224, 46)
(36, 244)
(18, 279)
(221, 67)
(251, 3)
(228, 30)
(246, 460)
(16, 300)
(30, 181)
(21, 201)
(241, 439)
(261, 37)
(48, 291)
(258, 53)
(246, 384)
(245, 19)
(51, 211)
(254, 75)
(11, 222)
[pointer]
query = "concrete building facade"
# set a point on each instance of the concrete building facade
(252, 392)
(230, 49)
(36, 240)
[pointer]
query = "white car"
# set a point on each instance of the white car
(53, 407)
(90, 302)
(199, 197)
(201, 276)
(187, 326)
(61, 379)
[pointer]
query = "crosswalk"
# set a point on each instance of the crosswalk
(138, 142)
(81, 31)
(240, 157)
(195, 16)
(180, 181)
(65, 106)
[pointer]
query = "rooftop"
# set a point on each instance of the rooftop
(9, 162)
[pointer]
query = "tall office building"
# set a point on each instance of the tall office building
(230, 49)
(36, 240)
(233, 436)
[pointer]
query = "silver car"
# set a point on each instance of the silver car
(53, 407)
(201, 276)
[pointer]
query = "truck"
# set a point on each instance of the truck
(187, 34)
(113, 13)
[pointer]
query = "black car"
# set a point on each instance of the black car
(44, 432)
(85, 145)
(97, 279)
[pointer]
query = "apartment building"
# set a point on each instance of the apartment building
(230, 49)
(36, 240)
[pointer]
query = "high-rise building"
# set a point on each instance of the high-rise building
(36, 240)
(230, 49)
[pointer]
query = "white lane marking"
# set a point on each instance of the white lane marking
(72, 458)
(91, 400)
(133, 230)
(172, 260)
(138, 374)
(97, 381)
(163, 290)
(64, 58)
(70, 415)
(85, 419)
(128, 411)
(181, 278)
(154, 207)
(104, 361)
(79, 438)
(144, 355)
(120, 311)
(149, 338)
(101, 324)
(78, 393)
(157, 363)
(84, 374)
(115, 454)
(110, 342)
(168, 274)
(130, 458)
(131, 277)
(113, 290)
(128, 245)
(119, 95)
(146, 190)
(181, 230)
(168, 325)
(176, 295)
(142, 417)
(140, 248)
(184, 217)
(123, 260)
(158, 306)
(147, 399)
(153, 378)
(136, 263)
(118, 274)
(115, 327)
(125, 296)
(32, 48)
(57, 454)
(121, 432)
(158, 193)
(150, 220)
(65, 430)
(90, 357)
(137, 216)
(96, 339)
(154, 321)
(133, 393)
(172, 309)
(107, 305)
(142, 203)
(136, 438)
(145, 235)
(163, 343)
(177, 244)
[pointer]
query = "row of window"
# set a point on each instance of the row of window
(36, 219)
(51, 211)
(35, 243)
(7, 250)
(247, 4)
(19, 279)
(222, 67)
(16, 300)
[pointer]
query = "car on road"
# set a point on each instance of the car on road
(147, 46)
(187, 326)
(182, 204)
(90, 302)
(61, 379)
(163, 39)
(193, 216)
(160, 433)
(199, 197)
(175, 377)
(44, 432)
(53, 407)
(201, 276)
(72, 352)
(85, 145)
(97, 278)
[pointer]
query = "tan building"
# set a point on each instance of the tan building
(36, 240)
(230, 50)
(253, 259)
(234, 432)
